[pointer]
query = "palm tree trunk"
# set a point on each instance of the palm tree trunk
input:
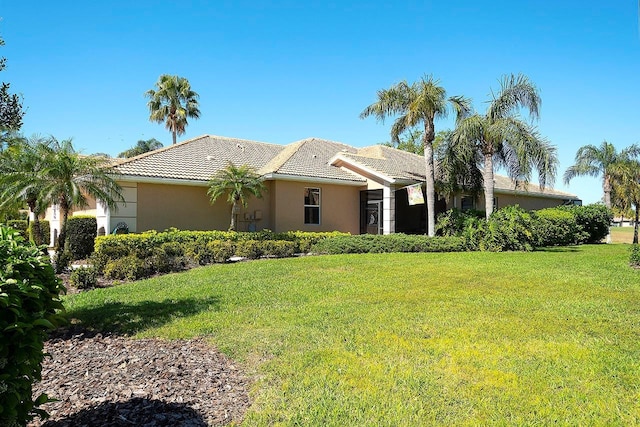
(173, 133)
(635, 225)
(235, 208)
(60, 263)
(430, 181)
(487, 177)
(37, 232)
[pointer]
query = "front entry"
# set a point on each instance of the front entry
(374, 217)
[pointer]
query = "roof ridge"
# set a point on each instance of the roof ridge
(161, 150)
(282, 157)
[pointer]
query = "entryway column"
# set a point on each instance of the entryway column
(388, 210)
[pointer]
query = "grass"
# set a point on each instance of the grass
(409, 339)
(621, 234)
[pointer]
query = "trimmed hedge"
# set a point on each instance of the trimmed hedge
(45, 230)
(372, 243)
(81, 235)
(29, 307)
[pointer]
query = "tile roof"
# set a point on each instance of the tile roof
(199, 158)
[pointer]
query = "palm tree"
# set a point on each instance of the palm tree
(501, 138)
(21, 176)
(597, 161)
(238, 183)
(142, 147)
(173, 102)
(418, 104)
(625, 188)
(71, 178)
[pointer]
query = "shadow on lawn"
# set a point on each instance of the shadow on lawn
(130, 318)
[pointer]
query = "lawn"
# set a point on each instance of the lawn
(409, 339)
(621, 234)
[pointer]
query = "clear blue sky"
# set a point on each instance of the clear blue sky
(282, 71)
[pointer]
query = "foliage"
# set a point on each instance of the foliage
(557, 227)
(173, 102)
(29, 305)
(11, 112)
(45, 231)
(238, 183)
(129, 267)
(142, 147)
(626, 188)
(372, 243)
(411, 142)
(470, 338)
(634, 258)
(81, 234)
(84, 277)
(501, 138)
(509, 229)
(594, 221)
(21, 226)
(419, 103)
(454, 221)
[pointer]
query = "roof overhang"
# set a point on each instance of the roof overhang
(158, 180)
(535, 194)
(312, 179)
(358, 168)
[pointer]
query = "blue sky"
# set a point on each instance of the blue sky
(282, 71)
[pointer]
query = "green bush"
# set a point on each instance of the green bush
(81, 235)
(634, 259)
(454, 221)
(594, 220)
(371, 243)
(20, 225)
(556, 227)
(29, 307)
(84, 277)
(45, 231)
(128, 268)
(509, 229)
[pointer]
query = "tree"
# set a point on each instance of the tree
(500, 138)
(597, 162)
(173, 102)
(625, 188)
(70, 178)
(238, 183)
(22, 176)
(10, 105)
(418, 104)
(142, 147)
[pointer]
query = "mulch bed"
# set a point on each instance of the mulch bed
(112, 380)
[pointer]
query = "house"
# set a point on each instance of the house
(313, 185)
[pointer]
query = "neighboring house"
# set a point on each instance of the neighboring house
(313, 185)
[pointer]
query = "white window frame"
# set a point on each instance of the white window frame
(310, 189)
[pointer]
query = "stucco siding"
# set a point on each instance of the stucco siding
(528, 203)
(339, 207)
(188, 208)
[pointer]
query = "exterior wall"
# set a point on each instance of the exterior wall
(126, 212)
(527, 203)
(339, 207)
(188, 208)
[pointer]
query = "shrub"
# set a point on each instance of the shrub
(594, 220)
(508, 229)
(557, 227)
(84, 277)
(29, 306)
(454, 221)
(634, 259)
(128, 268)
(45, 230)
(81, 235)
(371, 243)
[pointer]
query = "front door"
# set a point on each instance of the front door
(374, 217)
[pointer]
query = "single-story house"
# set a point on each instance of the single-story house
(313, 185)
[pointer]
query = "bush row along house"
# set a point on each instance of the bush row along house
(313, 185)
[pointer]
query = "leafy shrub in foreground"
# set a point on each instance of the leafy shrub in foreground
(84, 277)
(29, 305)
(454, 221)
(557, 227)
(19, 225)
(594, 221)
(509, 229)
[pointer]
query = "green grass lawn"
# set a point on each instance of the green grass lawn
(409, 339)
(621, 234)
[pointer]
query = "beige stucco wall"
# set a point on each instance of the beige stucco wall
(526, 202)
(339, 207)
(188, 208)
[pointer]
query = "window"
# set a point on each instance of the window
(495, 203)
(312, 206)
(467, 203)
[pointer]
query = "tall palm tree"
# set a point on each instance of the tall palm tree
(501, 138)
(597, 162)
(142, 147)
(420, 103)
(22, 178)
(238, 183)
(173, 102)
(71, 178)
(625, 188)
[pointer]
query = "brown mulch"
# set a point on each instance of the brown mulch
(117, 381)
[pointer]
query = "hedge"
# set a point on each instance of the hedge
(81, 234)
(29, 307)
(372, 243)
